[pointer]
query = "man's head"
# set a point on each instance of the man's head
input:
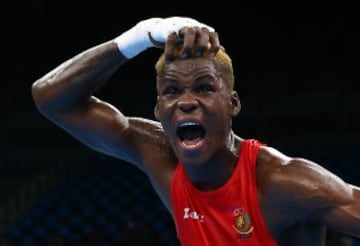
(196, 103)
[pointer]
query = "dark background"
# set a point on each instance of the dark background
(297, 75)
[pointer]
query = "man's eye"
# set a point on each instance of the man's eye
(203, 88)
(170, 91)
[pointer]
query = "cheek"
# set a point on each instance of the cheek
(219, 114)
(222, 104)
(161, 107)
(164, 114)
(222, 111)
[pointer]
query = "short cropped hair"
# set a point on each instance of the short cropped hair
(221, 60)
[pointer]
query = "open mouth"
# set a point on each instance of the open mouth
(190, 134)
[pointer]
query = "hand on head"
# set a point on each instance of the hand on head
(193, 35)
(194, 41)
(168, 33)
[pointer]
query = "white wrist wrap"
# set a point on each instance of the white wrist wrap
(136, 39)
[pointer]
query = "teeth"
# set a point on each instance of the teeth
(189, 124)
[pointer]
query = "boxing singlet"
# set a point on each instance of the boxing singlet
(227, 216)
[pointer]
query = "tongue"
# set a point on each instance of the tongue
(193, 141)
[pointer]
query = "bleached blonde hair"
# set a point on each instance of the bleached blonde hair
(221, 60)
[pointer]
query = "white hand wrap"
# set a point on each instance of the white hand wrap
(136, 39)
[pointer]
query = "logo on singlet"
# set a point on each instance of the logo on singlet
(188, 214)
(242, 224)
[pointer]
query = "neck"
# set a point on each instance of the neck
(217, 171)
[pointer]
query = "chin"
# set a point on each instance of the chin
(194, 158)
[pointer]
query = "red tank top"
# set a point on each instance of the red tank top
(227, 216)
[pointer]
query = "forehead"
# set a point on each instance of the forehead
(189, 67)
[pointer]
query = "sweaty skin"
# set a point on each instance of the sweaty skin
(298, 197)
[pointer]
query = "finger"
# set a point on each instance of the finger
(170, 45)
(202, 42)
(214, 41)
(188, 35)
(211, 29)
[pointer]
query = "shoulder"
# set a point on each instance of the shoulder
(145, 129)
(148, 137)
(297, 182)
(146, 126)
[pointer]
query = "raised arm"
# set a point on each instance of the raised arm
(65, 94)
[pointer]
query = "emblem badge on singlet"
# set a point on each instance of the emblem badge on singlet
(242, 224)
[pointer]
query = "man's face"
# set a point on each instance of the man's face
(195, 108)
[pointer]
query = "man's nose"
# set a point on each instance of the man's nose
(187, 102)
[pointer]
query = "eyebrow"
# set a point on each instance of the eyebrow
(196, 80)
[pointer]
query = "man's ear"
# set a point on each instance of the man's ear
(235, 103)
(156, 109)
